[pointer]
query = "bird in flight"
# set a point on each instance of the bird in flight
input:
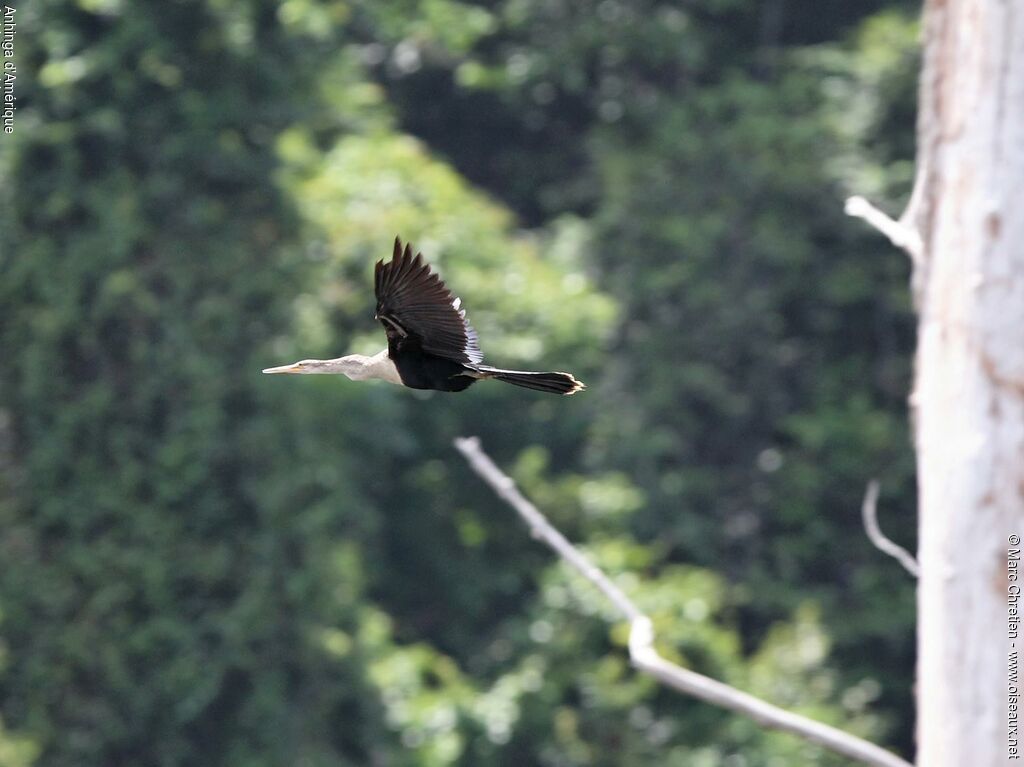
(431, 344)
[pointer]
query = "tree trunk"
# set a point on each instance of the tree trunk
(969, 392)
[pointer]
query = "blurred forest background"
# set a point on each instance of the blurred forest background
(201, 565)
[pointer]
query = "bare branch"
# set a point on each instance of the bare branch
(901, 233)
(641, 635)
(539, 525)
(869, 512)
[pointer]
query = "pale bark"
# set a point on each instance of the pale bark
(968, 397)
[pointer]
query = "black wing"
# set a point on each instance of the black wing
(418, 311)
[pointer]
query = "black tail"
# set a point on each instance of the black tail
(556, 383)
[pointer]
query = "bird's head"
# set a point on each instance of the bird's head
(302, 366)
(350, 366)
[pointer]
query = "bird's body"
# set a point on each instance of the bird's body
(431, 345)
(419, 370)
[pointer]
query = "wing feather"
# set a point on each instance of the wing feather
(416, 307)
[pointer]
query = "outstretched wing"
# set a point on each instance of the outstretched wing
(418, 311)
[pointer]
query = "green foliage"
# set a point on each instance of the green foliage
(205, 566)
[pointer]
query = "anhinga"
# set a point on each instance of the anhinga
(430, 343)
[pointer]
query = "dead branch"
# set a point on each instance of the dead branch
(869, 512)
(642, 652)
(901, 233)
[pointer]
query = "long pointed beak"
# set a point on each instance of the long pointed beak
(294, 368)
